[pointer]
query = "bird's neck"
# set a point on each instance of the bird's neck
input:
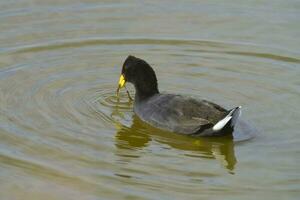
(143, 92)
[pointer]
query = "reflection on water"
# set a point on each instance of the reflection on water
(139, 135)
(64, 135)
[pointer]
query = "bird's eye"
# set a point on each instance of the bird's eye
(124, 68)
(127, 68)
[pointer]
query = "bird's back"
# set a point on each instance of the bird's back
(179, 114)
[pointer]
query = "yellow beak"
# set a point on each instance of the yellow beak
(121, 83)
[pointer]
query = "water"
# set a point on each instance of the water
(64, 135)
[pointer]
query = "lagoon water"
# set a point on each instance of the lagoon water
(65, 135)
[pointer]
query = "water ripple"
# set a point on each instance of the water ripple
(60, 113)
(218, 45)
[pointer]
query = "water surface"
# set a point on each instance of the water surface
(64, 135)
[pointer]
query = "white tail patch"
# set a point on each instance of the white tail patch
(233, 115)
(221, 123)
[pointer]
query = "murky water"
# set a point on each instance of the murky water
(64, 135)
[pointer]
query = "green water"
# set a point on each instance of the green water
(64, 135)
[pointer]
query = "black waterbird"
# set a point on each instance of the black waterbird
(171, 112)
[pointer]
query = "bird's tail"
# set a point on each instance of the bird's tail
(229, 120)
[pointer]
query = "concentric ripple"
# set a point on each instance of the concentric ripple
(65, 135)
(60, 115)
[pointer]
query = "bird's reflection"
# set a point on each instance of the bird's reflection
(140, 135)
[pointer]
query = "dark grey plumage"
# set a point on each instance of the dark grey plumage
(171, 112)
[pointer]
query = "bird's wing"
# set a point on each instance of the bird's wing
(180, 114)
